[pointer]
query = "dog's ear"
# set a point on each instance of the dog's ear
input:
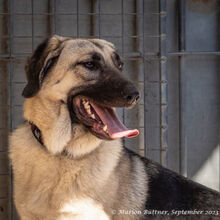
(39, 64)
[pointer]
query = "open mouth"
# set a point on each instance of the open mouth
(102, 121)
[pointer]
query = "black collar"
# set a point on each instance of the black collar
(37, 133)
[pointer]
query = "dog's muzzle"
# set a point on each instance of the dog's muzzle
(94, 106)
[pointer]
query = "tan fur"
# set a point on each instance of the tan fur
(87, 182)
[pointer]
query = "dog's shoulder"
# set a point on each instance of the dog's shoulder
(21, 136)
(167, 190)
(22, 145)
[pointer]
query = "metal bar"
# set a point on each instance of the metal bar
(188, 53)
(14, 55)
(97, 20)
(157, 149)
(136, 55)
(32, 25)
(89, 13)
(163, 85)
(92, 20)
(140, 55)
(49, 20)
(54, 17)
(127, 55)
(11, 10)
(77, 18)
(122, 52)
(182, 31)
(4, 28)
(120, 36)
(99, 14)
(182, 48)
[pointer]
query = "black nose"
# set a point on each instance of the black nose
(132, 96)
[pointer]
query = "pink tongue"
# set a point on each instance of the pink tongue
(115, 128)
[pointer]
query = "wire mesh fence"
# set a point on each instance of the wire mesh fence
(159, 55)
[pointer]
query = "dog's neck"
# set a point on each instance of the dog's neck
(54, 130)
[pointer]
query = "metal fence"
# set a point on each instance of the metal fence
(170, 50)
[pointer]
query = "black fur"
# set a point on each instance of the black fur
(111, 89)
(35, 65)
(51, 62)
(33, 68)
(169, 191)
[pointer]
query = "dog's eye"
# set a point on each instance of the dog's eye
(118, 61)
(120, 65)
(90, 65)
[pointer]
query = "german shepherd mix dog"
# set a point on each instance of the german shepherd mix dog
(67, 158)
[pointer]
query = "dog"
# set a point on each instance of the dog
(67, 158)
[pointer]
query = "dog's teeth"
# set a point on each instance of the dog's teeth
(92, 116)
(87, 107)
(86, 104)
(105, 128)
(89, 111)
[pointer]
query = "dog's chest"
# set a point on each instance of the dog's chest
(82, 209)
(62, 194)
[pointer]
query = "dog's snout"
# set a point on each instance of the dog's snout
(132, 96)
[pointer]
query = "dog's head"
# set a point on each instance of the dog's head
(86, 74)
